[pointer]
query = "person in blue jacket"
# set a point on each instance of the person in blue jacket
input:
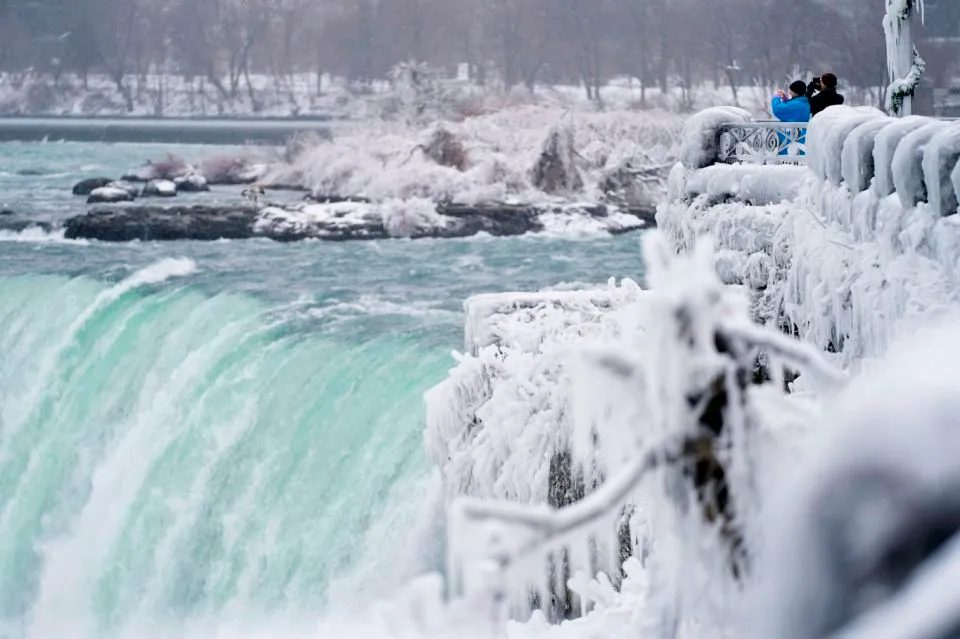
(795, 108)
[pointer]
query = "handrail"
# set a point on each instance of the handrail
(763, 142)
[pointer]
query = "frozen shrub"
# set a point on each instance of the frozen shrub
(446, 149)
(555, 170)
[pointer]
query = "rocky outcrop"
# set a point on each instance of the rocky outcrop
(331, 222)
(125, 224)
(87, 186)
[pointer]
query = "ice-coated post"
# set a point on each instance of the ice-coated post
(904, 64)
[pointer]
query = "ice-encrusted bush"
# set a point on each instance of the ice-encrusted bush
(381, 160)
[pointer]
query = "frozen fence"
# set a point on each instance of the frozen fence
(857, 147)
(763, 143)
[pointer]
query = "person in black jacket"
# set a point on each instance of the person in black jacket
(826, 89)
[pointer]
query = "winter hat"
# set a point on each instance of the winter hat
(799, 87)
(829, 80)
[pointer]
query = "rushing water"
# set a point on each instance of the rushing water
(229, 431)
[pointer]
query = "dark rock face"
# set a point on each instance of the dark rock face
(147, 223)
(86, 187)
(154, 222)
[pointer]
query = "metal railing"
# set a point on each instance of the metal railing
(765, 142)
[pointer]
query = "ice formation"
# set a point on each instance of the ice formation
(941, 154)
(701, 139)
(904, 64)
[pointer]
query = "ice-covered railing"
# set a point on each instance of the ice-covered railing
(730, 135)
(858, 147)
(765, 142)
(865, 151)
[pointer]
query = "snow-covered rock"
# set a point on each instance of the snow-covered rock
(159, 188)
(193, 183)
(109, 194)
(87, 186)
(129, 187)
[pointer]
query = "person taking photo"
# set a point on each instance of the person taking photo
(825, 88)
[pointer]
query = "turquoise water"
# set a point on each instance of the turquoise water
(226, 432)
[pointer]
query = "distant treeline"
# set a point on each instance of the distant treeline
(665, 43)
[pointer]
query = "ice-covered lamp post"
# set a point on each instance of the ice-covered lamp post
(904, 63)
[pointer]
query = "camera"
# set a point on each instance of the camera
(816, 83)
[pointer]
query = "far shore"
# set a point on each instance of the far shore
(224, 130)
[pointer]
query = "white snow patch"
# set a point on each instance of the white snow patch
(108, 194)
